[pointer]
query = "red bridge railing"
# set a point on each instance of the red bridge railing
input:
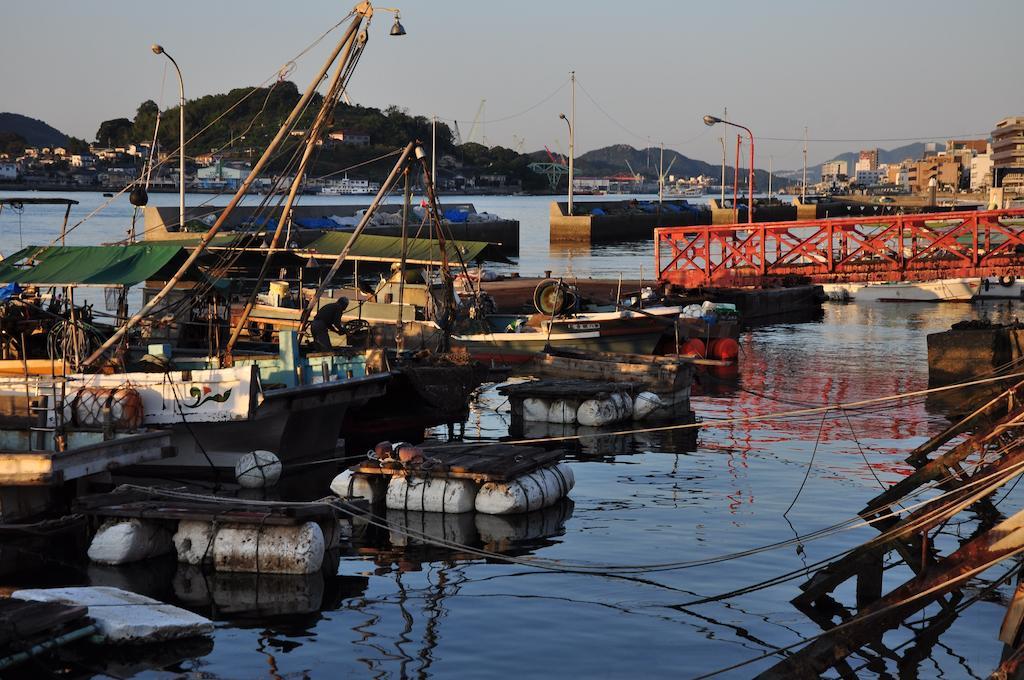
(921, 247)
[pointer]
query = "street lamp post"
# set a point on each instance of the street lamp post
(157, 49)
(562, 116)
(711, 120)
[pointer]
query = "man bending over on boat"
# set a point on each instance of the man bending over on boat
(328, 318)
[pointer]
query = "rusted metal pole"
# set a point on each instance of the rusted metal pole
(235, 200)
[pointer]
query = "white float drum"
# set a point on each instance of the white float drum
(430, 494)
(597, 412)
(357, 486)
(647, 404)
(529, 492)
(258, 469)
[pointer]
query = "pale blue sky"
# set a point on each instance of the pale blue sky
(852, 70)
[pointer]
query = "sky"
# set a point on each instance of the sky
(856, 74)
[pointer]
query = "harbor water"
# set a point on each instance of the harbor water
(676, 556)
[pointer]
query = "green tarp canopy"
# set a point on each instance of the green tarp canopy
(89, 265)
(389, 249)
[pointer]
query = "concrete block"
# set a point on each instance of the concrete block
(120, 541)
(124, 617)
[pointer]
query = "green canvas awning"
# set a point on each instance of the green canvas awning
(389, 249)
(89, 265)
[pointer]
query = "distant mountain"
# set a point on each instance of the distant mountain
(915, 150)
(621, 159)
(34, 132)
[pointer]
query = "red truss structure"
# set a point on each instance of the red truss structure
(922, 247)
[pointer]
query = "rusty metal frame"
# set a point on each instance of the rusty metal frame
(848, 249)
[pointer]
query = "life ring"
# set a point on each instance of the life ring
(1007, 281)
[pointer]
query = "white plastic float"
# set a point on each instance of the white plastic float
(120, 541)
(532, 491)
(268, 549)
(430, 494)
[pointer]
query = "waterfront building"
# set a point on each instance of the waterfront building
(1008, 154)
(975, 146)
(870, 159)
(8, 171)
(834, 171)
(981, 170)
(945, 169)
(869, 178)
(352, 137)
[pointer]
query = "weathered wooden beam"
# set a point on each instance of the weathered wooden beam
(1003, 401)
(940, 467)
(1003, 541)
(923, 519)
(36, 468)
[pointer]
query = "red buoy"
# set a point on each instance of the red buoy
(694, 347)
(724, 349)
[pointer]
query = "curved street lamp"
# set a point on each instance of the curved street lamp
(563, 117)
(158, 49)
(711, 120)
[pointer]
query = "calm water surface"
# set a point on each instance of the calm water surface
(396, 608)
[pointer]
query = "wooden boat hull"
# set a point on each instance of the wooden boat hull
(654, 374)
(517, 348)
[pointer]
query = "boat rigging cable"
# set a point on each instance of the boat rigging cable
(235, 200)
(354, 45)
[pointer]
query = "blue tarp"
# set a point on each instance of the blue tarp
(456, 216)
(598, 211)
(9, 291)
(316, 223)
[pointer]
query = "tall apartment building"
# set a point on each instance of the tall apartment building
(1008, 154)
(867, 159)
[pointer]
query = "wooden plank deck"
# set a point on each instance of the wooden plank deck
(560, 389)
(21, 620)
(44, 468)
(142, 505)
(482, 463)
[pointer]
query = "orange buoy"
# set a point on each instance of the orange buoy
(694, 347)
(724, 349)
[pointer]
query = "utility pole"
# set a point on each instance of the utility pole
(769, 179)
(722, 142)
(725, 117)
(572, 133)
(661, 174)
(803, 188)
(433, 151)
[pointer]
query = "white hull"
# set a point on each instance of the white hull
(942, 290)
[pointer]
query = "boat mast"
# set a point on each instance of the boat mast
(337, 85)
(362, 10)
(385, 188)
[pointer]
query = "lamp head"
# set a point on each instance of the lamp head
(711, 120)
(157, 49)
(397, 28)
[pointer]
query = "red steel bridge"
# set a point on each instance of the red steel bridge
(922, 247)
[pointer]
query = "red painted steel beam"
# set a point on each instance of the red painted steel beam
(847, 249)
